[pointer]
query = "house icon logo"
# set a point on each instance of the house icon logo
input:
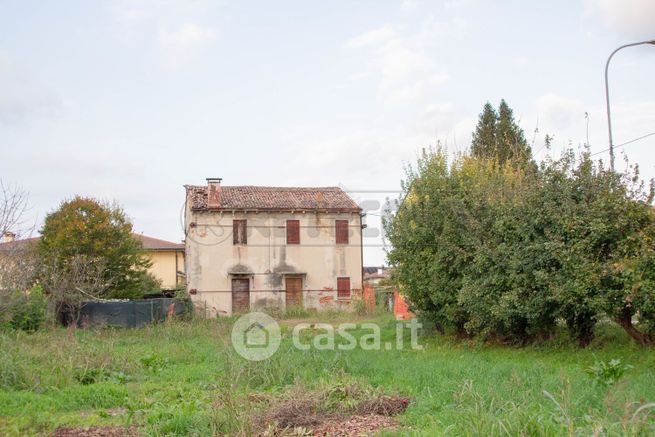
(256, 336)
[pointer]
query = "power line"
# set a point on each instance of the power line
(625, 144)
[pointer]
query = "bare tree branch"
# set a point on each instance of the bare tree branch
(13, 208)
(17, 261)
(70, 283)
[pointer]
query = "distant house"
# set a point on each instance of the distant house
(394, 301)
(167, 257)
(167, 261)
(374, 275)
(9, 243)
(255, 247)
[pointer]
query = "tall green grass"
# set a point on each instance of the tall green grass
(184, 378)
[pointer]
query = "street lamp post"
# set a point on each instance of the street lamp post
(607, 94)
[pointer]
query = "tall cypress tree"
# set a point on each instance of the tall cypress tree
(497, 136)
(484, 138)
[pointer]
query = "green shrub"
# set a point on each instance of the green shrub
(92, 375)
(87, 376)
(608, 373)
(154, 363)
(28, 310)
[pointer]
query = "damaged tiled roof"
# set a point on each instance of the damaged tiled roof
(248, 197)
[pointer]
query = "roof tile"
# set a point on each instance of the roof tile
(249, 197)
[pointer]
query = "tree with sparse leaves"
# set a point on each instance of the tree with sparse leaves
(17, 265)
(21, 305)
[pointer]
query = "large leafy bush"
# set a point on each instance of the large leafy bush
(506, 250)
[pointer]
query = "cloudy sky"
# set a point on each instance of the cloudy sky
(130, 100)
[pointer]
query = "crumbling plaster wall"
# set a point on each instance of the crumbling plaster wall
(266, 260)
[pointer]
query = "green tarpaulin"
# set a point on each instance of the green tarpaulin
(129, 314)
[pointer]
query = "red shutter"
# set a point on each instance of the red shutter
(343, 287)
(341, 231)
(293, 232)
(239, 234)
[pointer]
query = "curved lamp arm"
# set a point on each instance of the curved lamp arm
(607, 94)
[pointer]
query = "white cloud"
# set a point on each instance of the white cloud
(635, 18)
(409, 5)
(182, 45)
(560, 113)
(172, 27)
(141, 12)
(436, 120)
(372, 37)
(407, 73)
(186, 36)
(22, 95)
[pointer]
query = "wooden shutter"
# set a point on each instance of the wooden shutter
(293, 232)
(341, 231)
(240, 295)
(343, 287)
(239, 235)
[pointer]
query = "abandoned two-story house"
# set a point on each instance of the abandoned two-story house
(251, 247)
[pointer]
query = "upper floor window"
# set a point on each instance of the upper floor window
(341, 231)
(293, 232)
(239, 234)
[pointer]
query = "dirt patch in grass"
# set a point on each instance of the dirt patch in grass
(356, 426)
(313, 414)
(384, 406)
(97, 431)
(298, 413)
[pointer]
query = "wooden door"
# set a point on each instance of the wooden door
(240, 295)
(294, 292)
(343, 288)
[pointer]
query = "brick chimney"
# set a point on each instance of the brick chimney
(214, 193)
(8, 237)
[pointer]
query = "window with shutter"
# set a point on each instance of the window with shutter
(341, 231)
(239, 234)
(343, 288)
(293, 232)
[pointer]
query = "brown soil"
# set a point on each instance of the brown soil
(369, 417)
(356, 426)
(384, 406)
(97, 431)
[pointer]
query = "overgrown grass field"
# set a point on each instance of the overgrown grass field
(184, 378)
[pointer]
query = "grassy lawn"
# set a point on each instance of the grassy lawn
(184, 378)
